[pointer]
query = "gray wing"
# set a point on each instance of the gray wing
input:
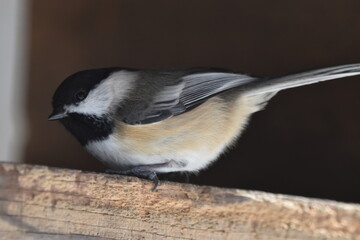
(182, 94)
(201, 86)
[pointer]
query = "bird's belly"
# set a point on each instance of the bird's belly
(191, 140)
(120, 154)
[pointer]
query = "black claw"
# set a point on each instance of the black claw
(153, 177)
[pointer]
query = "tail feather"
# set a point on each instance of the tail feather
(271, 85)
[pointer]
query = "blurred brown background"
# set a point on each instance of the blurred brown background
(306, 142)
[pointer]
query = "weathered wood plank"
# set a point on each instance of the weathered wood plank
(48, 203)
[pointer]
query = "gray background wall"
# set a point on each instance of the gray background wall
(13, 58)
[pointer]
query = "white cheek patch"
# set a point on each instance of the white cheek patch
(106, 95)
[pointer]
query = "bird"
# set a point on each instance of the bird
(142, 122)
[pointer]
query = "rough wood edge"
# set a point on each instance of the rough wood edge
(38, 202)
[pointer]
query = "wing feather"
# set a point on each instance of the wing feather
(184, 93)
(201, 86)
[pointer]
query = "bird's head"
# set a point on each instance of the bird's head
(91, 93)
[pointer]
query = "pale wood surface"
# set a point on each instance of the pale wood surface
(38, 202)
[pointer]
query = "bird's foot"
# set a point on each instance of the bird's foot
(140, 172)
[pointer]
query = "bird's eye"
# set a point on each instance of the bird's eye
(81, 95)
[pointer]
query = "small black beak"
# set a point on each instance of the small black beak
(57, 114)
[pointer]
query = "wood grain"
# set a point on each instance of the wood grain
(38, 202)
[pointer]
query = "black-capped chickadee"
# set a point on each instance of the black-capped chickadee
(143, 122)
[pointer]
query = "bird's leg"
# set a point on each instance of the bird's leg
(142, 171)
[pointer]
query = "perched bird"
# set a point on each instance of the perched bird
(144, 122)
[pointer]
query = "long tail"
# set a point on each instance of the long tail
(273, 85)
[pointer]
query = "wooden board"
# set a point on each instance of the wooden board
(38, 202)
